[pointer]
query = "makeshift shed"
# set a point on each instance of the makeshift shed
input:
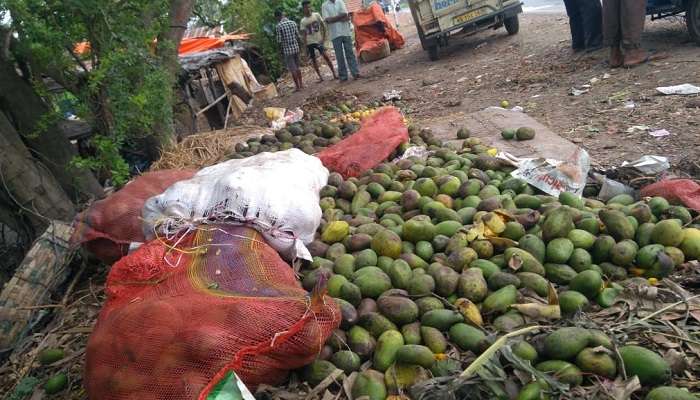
(219, 83)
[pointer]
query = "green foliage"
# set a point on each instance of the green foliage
(258, 18)
(121, 83)
(107, 156)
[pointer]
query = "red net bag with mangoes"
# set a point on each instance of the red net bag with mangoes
(183, 312)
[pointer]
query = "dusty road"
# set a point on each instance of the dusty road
(536, 70)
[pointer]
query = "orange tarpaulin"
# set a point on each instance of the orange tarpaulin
(196, 45)
(188, 45)
(371, 26)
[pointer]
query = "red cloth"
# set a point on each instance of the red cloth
(683, 191)
(371, 26)
(378, 137)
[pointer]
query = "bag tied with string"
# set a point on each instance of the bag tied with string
(274, 193)
(184, 312)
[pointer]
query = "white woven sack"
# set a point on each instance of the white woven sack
(275, 193)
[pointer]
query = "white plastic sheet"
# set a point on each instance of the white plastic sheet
(275, 193)
(684, 89)
(553, 176)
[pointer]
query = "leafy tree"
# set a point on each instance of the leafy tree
(124, 84)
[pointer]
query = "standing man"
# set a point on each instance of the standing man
(623, 23)
(314, 34)
(585, 21)
(336, 16)
(288, 39)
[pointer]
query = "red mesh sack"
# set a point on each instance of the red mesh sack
(378, 137)
(677, 191)
(109, 225)
(182, 313)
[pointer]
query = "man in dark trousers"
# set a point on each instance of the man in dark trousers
(585, 20)
(623, 24)
(288, 38)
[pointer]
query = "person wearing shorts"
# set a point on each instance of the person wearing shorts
(314, 33)
(288, 39)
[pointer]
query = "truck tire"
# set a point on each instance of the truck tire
(513, 24)
(433, 54)
(692, 19)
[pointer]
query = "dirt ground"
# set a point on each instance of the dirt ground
(536, 70)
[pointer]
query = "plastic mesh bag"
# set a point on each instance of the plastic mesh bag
(677, 191)
(275, 193)
(108, 227)
(378, 137)
(182, 314)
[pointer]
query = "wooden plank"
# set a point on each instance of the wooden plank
(216, 94)
(44, 268)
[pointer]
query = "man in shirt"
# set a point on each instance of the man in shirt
(314, 34)
(288, 39)
(336, 16)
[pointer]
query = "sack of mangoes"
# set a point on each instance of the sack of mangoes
(432, 258)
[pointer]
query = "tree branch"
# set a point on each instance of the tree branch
(5, 40)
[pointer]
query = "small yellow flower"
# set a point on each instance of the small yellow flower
(653, 281)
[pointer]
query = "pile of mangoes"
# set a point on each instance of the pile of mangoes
(308, 136)
(428, 255)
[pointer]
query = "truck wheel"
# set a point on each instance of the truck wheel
(433, 53)
(512, 24)
(692, 19)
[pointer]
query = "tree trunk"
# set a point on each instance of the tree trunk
(27, 110)
(36, 195)
(180, 13)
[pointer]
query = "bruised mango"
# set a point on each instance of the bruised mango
(557, 224)
(399, 310)
(371, 384)
(387, 243)
(649, 367)
(617, 225)
(566, 343)
(472, 285)
(411, 333)
(388, 344)
(533, 245)
(376, 323)
(571, 302)
(468, 337)
(433, 339)
(500, 300)
(563, 371)
(668, 232)
(691, 243)
(596, 362)
(415, 355)
(441, 319)
(559, 250)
